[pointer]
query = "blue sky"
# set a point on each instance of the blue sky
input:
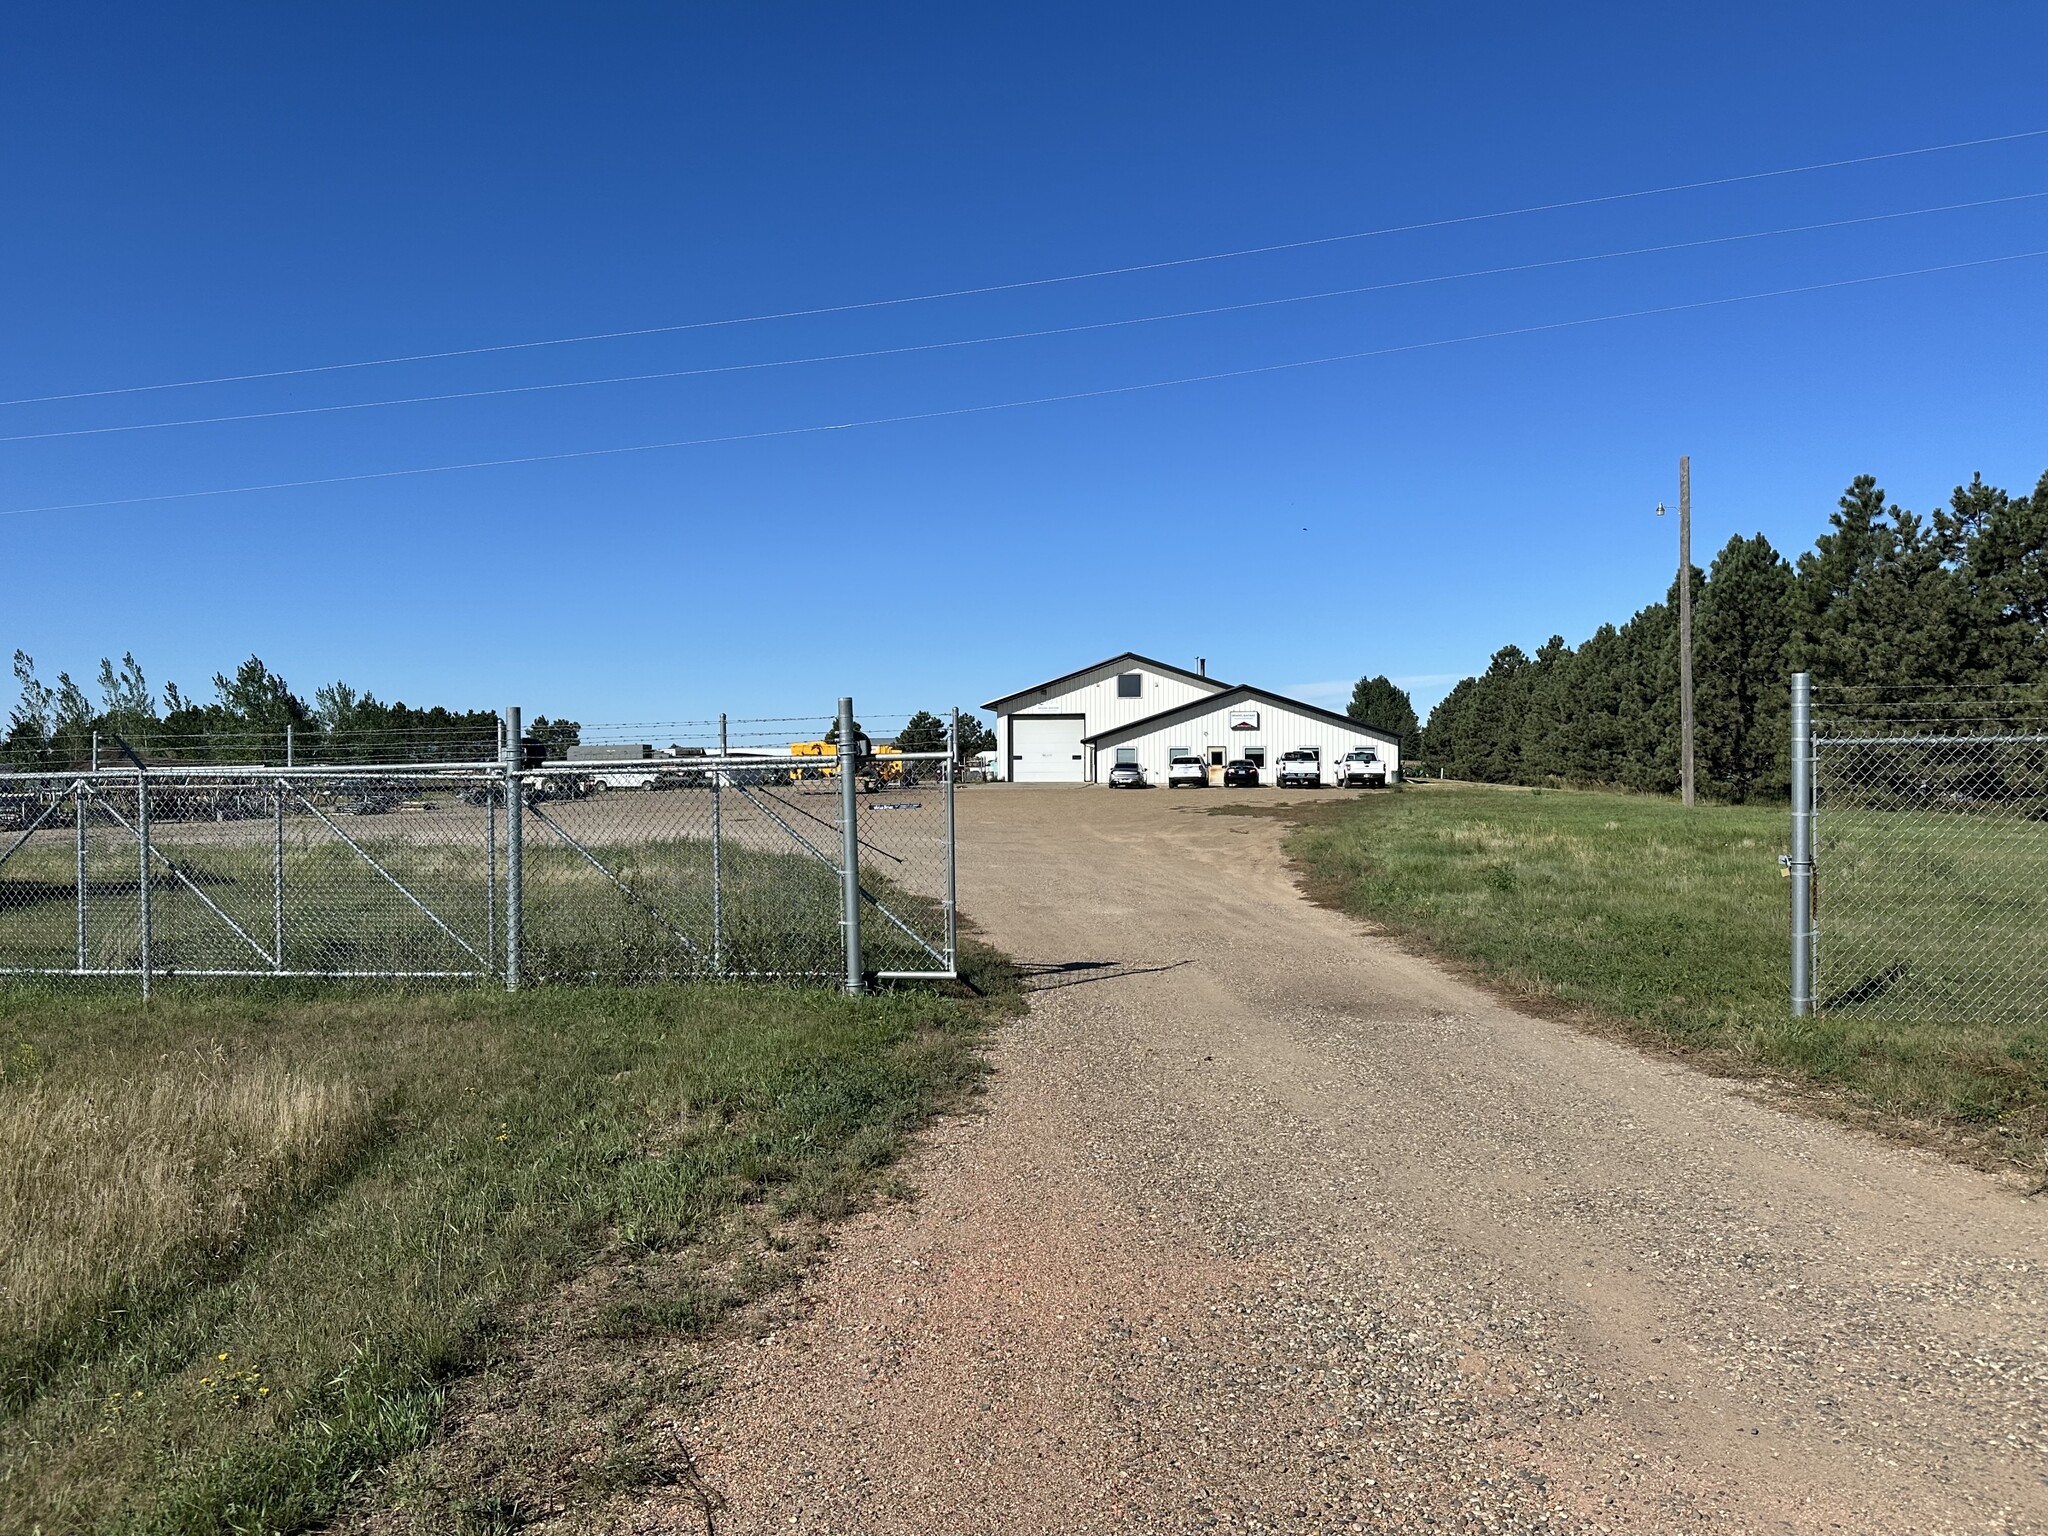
(200, 191)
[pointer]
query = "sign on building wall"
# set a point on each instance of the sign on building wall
(1244, 719)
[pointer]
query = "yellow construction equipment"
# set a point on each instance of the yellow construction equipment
(813, 749)
(878, 772)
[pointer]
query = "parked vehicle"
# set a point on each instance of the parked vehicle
(1242, 774)
(1361, 768)
(1187, 770)
(1301, 768)
(1126, 776)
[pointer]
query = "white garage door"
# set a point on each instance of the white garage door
(1045, 751)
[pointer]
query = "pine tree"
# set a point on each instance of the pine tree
(1592, 740)
(1742, 633)
(923, 732)
(1494, 724)
(974, 737)
(1997, 547)
(1443, 739)
(1384, 705)
(1545, 710)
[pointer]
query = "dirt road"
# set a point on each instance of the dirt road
(1270, 1226)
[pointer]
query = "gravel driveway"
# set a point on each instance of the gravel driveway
(1270, 1226)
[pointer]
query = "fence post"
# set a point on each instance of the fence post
(82, 948)
(717, 872)
(491, 865)
(515, 913)
(142, 840)
(1802, 844)
(952, 845)
(277, 874)
(849, 841)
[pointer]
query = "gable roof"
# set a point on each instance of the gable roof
(1054, 684)
(1241, 691)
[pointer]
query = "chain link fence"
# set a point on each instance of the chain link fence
(1929, 857)
(730, 863)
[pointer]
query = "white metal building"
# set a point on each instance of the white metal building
(1131, 708)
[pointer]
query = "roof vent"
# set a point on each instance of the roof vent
(1201, 666)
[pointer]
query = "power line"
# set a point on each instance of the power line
(1044, 282)
(1033, 335)
(1011, 405)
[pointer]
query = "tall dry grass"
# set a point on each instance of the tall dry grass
(108, 1189)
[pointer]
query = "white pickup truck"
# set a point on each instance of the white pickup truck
(1301, 767)
(1361, 768)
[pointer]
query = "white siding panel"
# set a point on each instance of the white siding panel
(1097, 699)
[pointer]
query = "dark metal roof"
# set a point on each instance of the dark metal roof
(1241, 691)
(1057, 682)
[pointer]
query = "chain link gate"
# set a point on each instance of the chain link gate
(1928, 892)
(727, 866)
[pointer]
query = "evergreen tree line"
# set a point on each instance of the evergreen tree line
(1886, 602)
(53, 725)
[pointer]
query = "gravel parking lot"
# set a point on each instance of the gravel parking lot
(1271, 1226)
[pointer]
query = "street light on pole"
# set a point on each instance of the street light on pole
(1684, 625)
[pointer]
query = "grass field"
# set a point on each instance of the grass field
(248, 1242)
(1673, 925)
(222, 899)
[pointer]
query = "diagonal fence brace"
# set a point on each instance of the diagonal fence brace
(185, 880)
(808, 846)
(22, 841)
(908, 932)
(624, 889)
(830, 826)
(396, 884)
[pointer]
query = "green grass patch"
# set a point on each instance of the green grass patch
(255, 1240)
(1674, 924)
(219, 902)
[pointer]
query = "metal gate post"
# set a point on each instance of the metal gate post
(491, 865)
(952, 845)
(1802, 843)
(277, 875)
(515, 914)
(142, 841)
(849, 841)
(717, 872)
(81, 792)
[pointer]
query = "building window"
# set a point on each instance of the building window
(1130, 685)
(1173, 752)
(1256, 756)
(1127, 754)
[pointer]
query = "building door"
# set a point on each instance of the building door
(1218, 756)
(1045, 749)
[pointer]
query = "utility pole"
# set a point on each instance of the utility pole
(1684, 625)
